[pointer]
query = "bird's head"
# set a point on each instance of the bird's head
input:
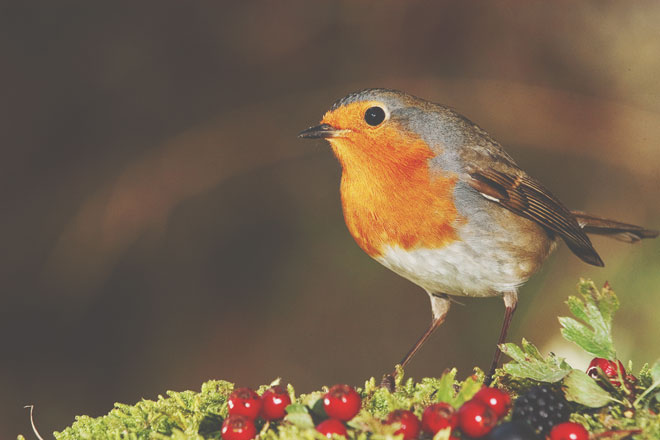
(376, 129)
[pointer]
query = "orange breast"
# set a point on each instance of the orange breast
(390, 197)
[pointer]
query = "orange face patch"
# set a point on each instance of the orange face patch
(388, 194)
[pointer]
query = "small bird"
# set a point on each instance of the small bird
(433, 197)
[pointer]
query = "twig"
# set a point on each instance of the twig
(34, 428)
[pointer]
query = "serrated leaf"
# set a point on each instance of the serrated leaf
(581, 388)
(576, 307)
(529, 363)
(596, 309)
(583, 336)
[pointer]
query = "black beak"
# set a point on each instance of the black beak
(322, 131)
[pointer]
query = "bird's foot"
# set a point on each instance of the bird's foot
(391, 380)
(388, 382)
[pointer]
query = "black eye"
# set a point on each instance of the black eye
(374, 116)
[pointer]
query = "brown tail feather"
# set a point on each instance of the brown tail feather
(617, 230)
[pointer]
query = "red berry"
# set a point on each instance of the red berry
(244, 401)
(342, 402)
(439, 416)
(238, 427)
(275, 400)
(410, 425)
(331, 426)
(498, 401)
(476, 419)
(569, 431)
(610, 368)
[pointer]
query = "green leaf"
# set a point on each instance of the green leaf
(581, 388)
(596, 309)
(317, 407)
(445, 391)
(468, 388)
(298, 415)
(296, 408)
(529, 363)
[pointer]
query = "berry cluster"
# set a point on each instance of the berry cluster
(341, 403)
(246, 406)
(543, 412)
(474, 418)
(540, 413)
(532, 413)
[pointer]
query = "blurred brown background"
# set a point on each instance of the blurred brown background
(161, 224)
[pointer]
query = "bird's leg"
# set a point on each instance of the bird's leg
(440, 306)
(510, 303)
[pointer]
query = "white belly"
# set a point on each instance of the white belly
(484, 268)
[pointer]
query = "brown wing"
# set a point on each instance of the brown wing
(519, 193)
(504, 183)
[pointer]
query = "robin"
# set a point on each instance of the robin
(433, 197)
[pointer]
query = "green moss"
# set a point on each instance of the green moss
(598, 405)
(199, 415)
(187, 414)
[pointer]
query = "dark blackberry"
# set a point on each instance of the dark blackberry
(511, 431)
(542, 407)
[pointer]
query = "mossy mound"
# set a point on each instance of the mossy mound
(628, 410)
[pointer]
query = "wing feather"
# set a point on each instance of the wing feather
(526, 197)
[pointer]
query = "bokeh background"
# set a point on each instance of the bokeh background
(161, 224)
